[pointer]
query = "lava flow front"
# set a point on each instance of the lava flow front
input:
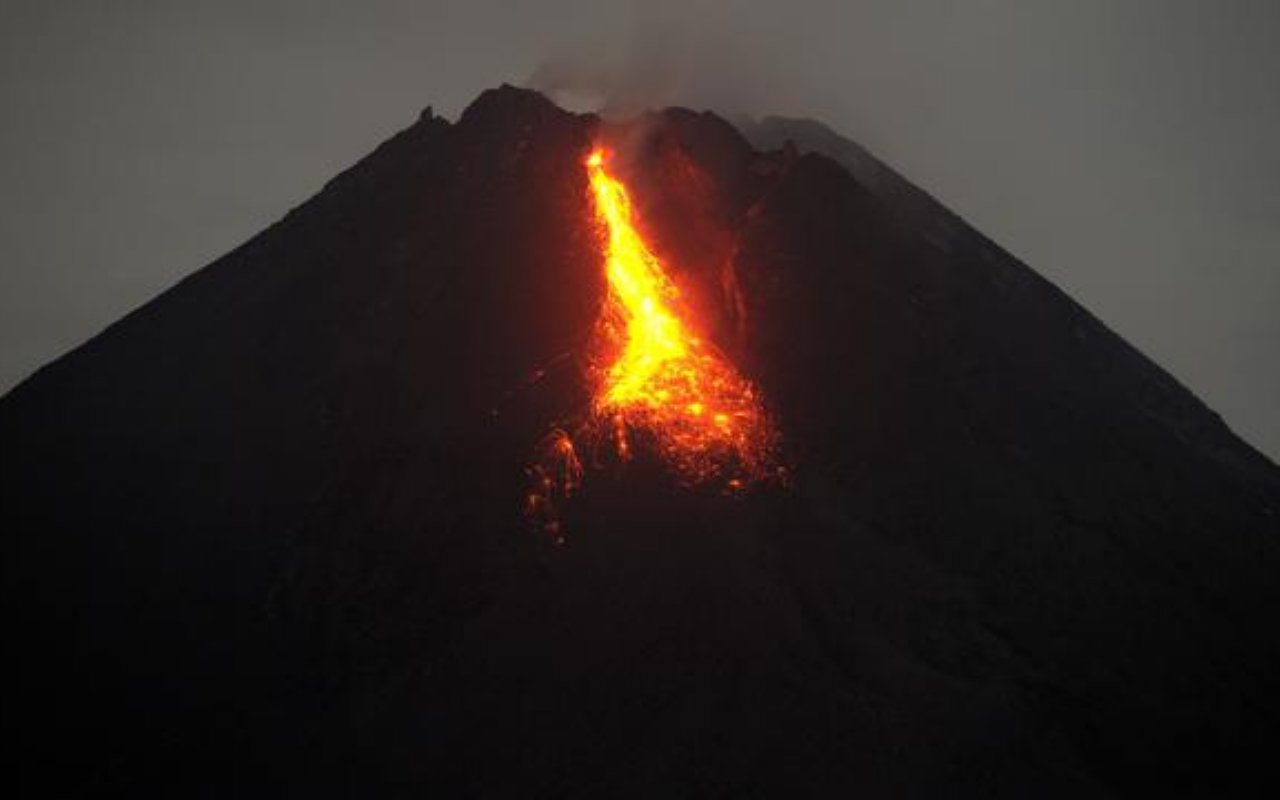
(663, 378)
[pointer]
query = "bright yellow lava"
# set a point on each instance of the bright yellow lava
(664, 379)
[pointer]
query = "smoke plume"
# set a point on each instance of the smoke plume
(676, 53)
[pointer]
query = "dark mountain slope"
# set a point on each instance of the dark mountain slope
(266, 532)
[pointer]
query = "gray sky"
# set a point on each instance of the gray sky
(1126, 149)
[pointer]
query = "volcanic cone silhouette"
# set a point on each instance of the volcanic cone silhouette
(266, 533)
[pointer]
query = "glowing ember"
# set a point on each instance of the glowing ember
(706, 419)
(556, 475)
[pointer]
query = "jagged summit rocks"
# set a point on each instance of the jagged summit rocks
(265, 532)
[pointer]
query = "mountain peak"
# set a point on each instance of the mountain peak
(495, 106)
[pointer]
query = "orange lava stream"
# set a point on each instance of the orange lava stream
(663, 378)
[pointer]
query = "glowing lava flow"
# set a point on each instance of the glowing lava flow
(653, 377)
(664, 379)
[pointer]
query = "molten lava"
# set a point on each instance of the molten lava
(663, 378)
(654, 378)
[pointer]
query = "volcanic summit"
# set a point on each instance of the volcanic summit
(858, 503)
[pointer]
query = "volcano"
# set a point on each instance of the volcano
(270, 532)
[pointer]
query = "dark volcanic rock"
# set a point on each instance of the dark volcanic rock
(265, 532)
